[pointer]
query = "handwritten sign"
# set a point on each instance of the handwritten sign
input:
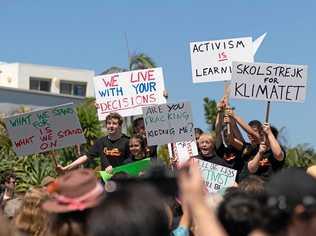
(183, 151)
(216, 177)
(270, 82)
(168, 123)
(126, 93)
(44, 130)
(212, 60)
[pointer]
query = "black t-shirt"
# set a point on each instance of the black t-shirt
(232, 157)
(268, 165)
(213, 159)
(111, 152)
(249, 151)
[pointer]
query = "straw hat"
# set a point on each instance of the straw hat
(75, 191)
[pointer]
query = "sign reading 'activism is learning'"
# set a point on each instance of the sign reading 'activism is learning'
(212, 60)
(216, 177)
(270, 82)
(168, 123)
(44, 130)
(127, 92)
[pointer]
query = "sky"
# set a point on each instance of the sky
(91, 35)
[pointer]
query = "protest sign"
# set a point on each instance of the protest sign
(269, 82)
(44, 130)
(182, 151)
(216, 177)
(126, 93)
(212, 60)
(132, 169)
(168, 123)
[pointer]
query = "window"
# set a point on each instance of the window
(73, 88)
(40, 84)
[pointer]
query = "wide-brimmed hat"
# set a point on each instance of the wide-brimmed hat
(75, 191)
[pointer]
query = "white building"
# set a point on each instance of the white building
(57, 80)
(39, 86)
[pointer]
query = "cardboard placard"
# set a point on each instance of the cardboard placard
(168, 123)
(126, 93)
(44, 130)
(212, 60)
(269, 82)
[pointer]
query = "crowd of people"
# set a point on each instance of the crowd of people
(266, 199)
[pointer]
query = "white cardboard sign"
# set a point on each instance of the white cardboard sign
(269, 82)
(168, 123)
(44, 130)
(212, 60)
(182, 151)
(216, 177)
(126, 93)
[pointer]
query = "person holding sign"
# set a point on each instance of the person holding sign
(270, 157)
(113, 149)
(206, 145)
(229, 141)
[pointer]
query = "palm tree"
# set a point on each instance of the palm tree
(210, 112)
(135, 62)
(301, 155)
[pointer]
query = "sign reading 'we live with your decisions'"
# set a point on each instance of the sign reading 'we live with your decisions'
(269, 82)
(44, 130)
(126, 93)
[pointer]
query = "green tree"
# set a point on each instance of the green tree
(301, 155)
(210, 112)
(135, 62)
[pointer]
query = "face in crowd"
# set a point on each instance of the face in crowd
(135, 147)
(10, 184)
(113, 126)
(140, 127)
(206, 144)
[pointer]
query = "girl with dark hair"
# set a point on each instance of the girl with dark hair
(137, 147)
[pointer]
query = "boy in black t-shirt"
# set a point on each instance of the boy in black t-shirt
(270, 157)
(113, 149)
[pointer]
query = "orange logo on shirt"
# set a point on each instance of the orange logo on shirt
(113, 152)
(264, 162)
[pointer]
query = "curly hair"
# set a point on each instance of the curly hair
(31, 218)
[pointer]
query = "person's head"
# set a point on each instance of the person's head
(9, 181)
(240, 213)
(206, 144)
(198, 133)
(137, 146)
(135, 209)
(257, 127)
(252, 184)
(31, 218)
(71, 198)
(291, 198)
(113, 123)
(139, 126)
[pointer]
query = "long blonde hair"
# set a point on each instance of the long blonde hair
(31, 218)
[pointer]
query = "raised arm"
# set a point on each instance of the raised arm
(274, 144)
(247, 128)
(254, 163)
